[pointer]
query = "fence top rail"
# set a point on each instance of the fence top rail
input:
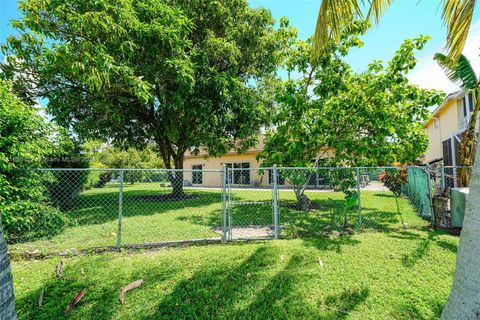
(238, 169)
(352, 168)
(457, 167)
(128, 169)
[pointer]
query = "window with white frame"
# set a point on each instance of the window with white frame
(466, 111)
(239, 172)
(197, 176)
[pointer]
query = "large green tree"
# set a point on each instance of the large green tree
(342, 118)
(181, 74)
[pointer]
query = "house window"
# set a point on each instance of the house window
(240, 173)
(280, 179)
(448, 162)
(467, 109)
(197, 176)
(470, 102)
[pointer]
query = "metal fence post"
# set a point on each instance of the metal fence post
(224, 202)
(120, 212)
(442, 176)
(429, 186)
(229, 207)
(359, 199)
(275, 201)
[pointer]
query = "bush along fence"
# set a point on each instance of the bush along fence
(88, 208)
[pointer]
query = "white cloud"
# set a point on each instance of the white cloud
(427, 73)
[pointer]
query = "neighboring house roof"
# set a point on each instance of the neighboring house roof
(452, 96)
(255, 150)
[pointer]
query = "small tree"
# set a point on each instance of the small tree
(395, 180)
(345, 118)
(105, 156)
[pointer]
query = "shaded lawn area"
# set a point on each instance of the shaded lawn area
(93, 218)
(405, 274)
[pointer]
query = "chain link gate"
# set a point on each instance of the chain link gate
(250, 210)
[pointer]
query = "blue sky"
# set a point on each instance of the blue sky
(404, 19)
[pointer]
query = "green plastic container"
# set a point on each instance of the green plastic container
(457, 206)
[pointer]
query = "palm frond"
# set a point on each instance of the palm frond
(457, 15)
(377, 9)
(459, 72)
(332, 17)
(336, 14)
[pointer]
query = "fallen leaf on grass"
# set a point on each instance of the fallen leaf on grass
(59, 270)
(320, 262)
(133, 285)
(40, 299)
(248, 275)
(75, 301)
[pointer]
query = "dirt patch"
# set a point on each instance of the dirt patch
(250, 232)
(455, 230)
(167, 197)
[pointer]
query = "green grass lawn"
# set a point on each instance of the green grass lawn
(93, 216)
(403, 274)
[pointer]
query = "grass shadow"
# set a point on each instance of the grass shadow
(342, 305)
(409, 260)
(212, 292)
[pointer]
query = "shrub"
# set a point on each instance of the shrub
(394, 180)
(27, 220)
(63, 186)
(25, 139)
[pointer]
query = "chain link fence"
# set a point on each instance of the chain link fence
(320, 200)
(111, 208)
(446, 177)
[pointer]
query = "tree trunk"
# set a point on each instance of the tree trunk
(174, 176)
(466, 152)
(464, 299)
(177, 178)
(440, 207)
(7, 302)
(303, 202)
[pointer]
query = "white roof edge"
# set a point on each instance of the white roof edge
(451, 96)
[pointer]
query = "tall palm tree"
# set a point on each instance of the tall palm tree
(462, 73)
(334, 15)
(7, 304)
